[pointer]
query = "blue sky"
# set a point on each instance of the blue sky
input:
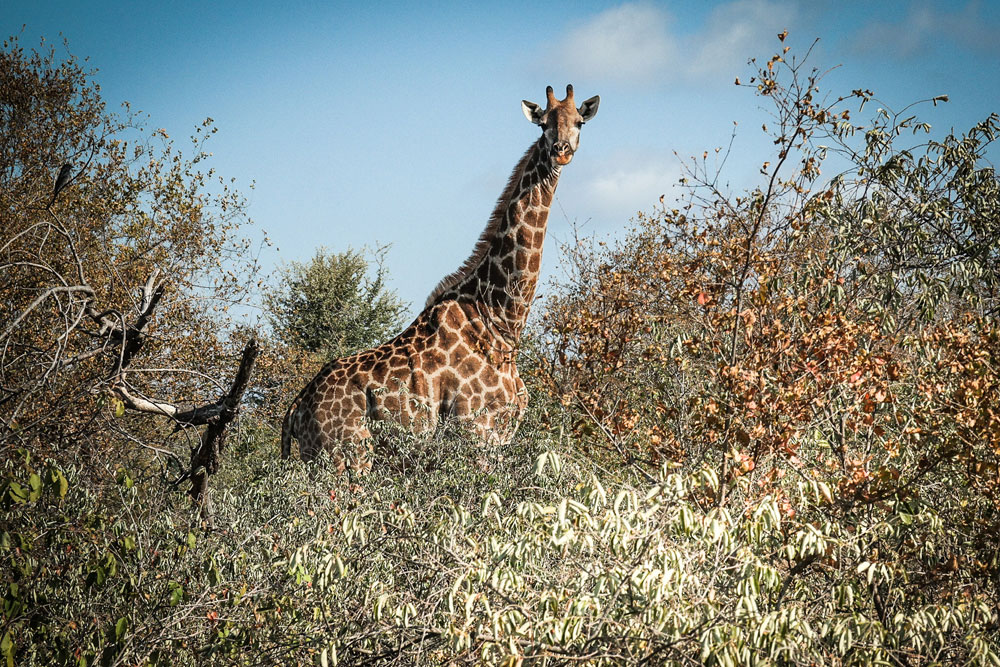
(400, 124)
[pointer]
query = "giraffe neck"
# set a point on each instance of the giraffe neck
(501, 275)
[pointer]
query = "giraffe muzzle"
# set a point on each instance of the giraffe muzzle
(562, 153)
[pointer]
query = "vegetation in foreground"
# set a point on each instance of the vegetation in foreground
(763, 429)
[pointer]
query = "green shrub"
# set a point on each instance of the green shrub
(531, 554)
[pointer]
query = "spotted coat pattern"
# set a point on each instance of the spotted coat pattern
(457, 358)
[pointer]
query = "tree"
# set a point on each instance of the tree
(118, 259)
(826, 344)
(331, 305)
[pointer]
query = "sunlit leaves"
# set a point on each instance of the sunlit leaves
(830, 345)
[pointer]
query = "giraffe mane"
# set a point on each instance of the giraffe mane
(482, 246)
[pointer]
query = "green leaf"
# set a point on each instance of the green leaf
(540, 462)
(214, 576)
(120, 628)
(35, 482)
(176, 593)
(7, 648)
(58, 479)
(17, 492)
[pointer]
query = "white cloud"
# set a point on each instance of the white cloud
(630, 42)
(626, 187)
(924, 28)
(735, 32)
(622, 184)
(634, 43)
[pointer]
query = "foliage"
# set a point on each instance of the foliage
(534, 558)
(763, 426)
(840, 332)
(79, 268)
(332, 306)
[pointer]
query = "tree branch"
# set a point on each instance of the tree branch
(41, 298)
(205, 460)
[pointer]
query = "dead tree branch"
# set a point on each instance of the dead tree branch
(205, 459)
(217, 415)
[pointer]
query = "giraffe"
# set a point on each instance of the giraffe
(457, 358)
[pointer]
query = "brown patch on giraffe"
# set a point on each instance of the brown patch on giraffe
(483, 274)
(489, 376)
(535, 198)
(452, 318)
(500, 282)
(390, 403)
(535, 263)
(506, 246)
(469, 367)
(521, 261)
(495, 399)
(447, 382)
(461, 403)
(380, 371)
(432, 359)
(525, 236)
(459, 353)
(418, 383)
(447, 338)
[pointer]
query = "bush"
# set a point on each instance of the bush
(836, 332)
(533, 557)
(763, 430)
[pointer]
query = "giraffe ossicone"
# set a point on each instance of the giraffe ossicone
(458, 357)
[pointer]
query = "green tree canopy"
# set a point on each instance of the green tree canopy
(334, 304)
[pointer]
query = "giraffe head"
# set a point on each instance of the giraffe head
(561, 122)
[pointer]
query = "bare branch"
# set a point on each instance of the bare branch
(205, 460)
(69, 289)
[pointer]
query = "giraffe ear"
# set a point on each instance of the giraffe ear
(589, 108)
(532, 111)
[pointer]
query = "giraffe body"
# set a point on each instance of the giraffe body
(457, 358)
